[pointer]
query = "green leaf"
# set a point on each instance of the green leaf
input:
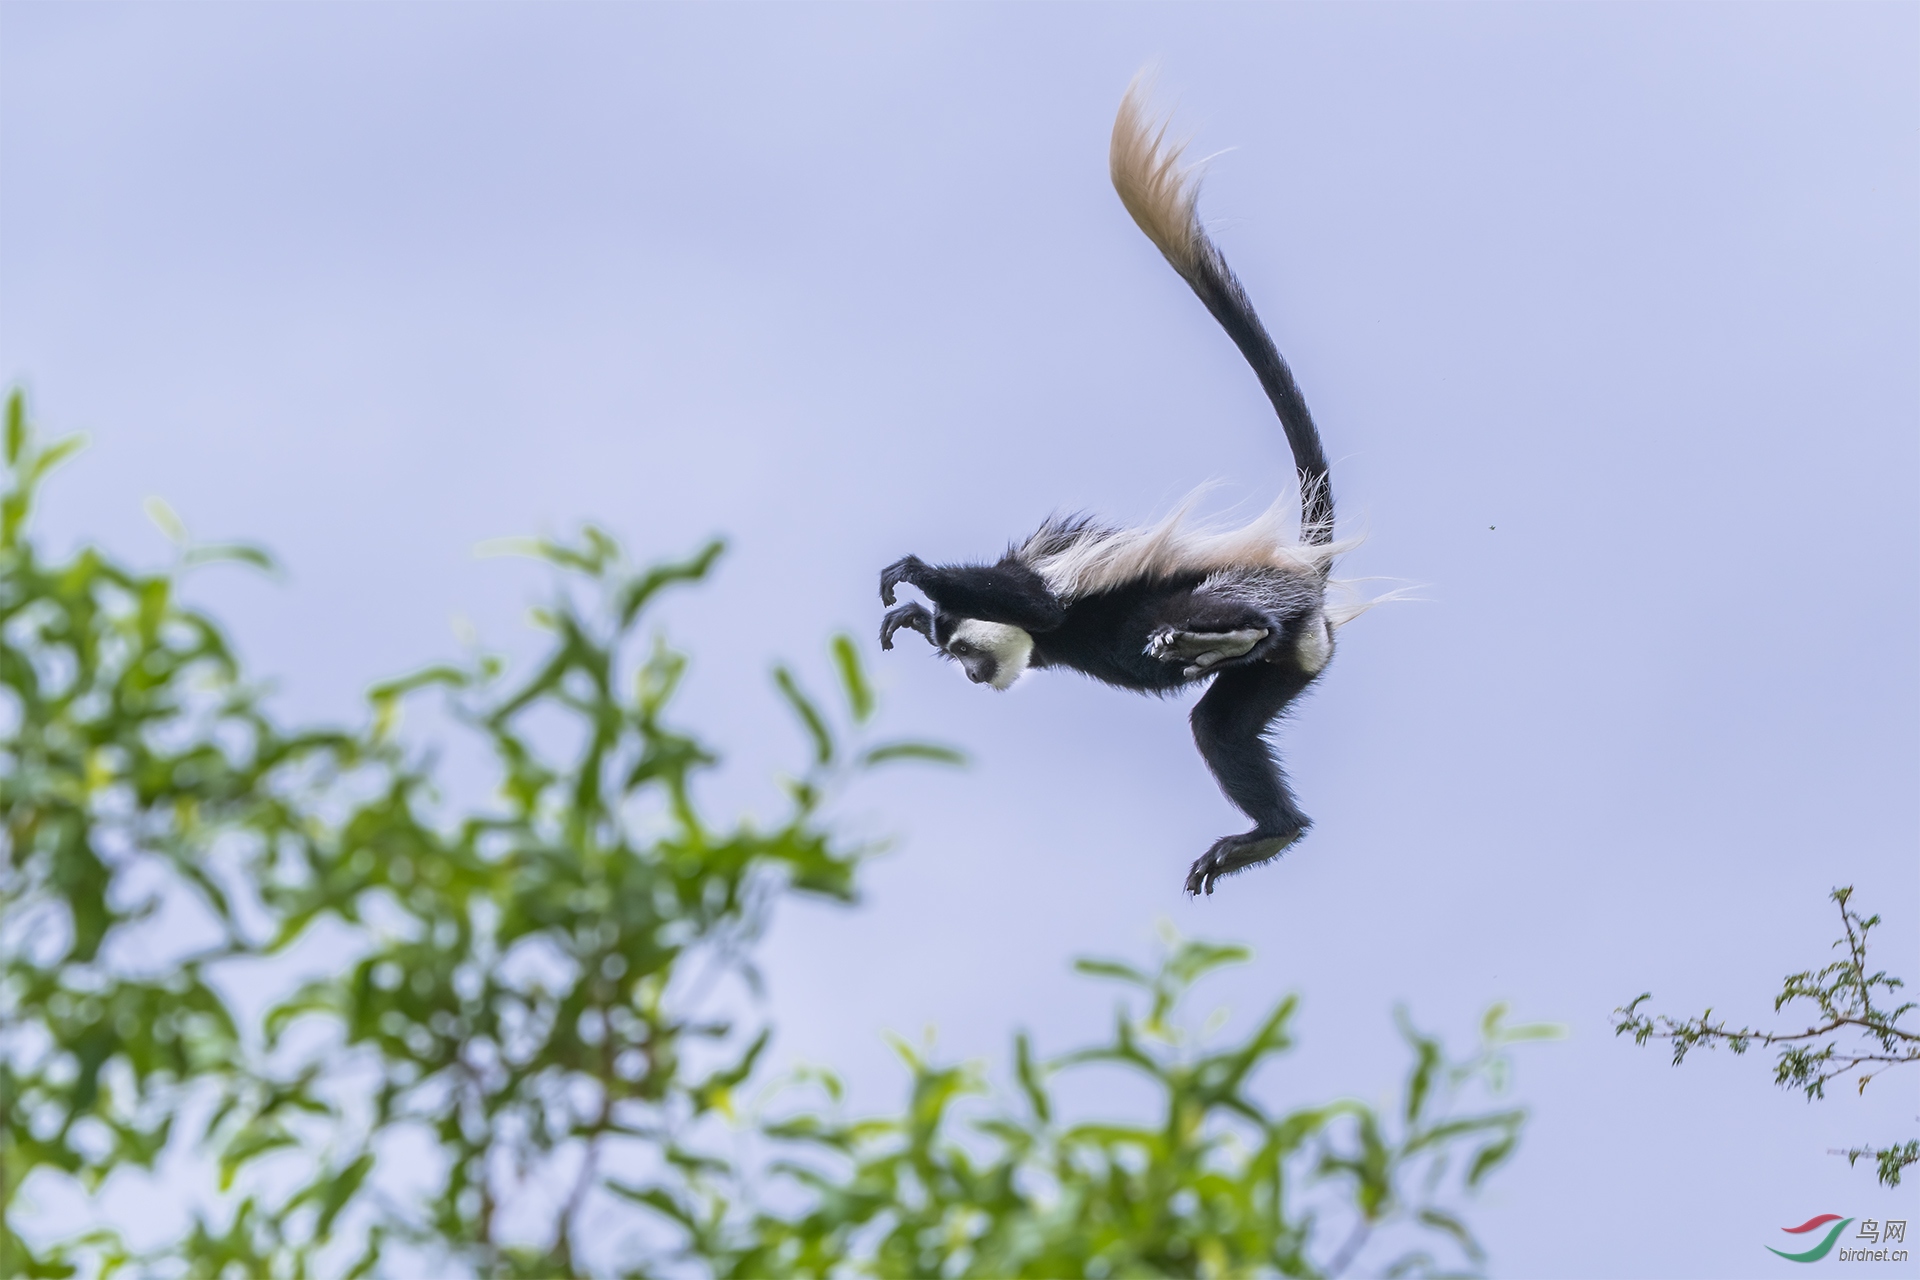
(55, 454)
(654, 1198)
(809, 714)
(853, 680)
(448, 676)
(230, 552)
(1533, 1031)
(1428, 1061)
(339, 1192)
(1194, 958)
(253, 1141)
(1491, 1157)
(16, 425)
(928, 751)
(166, 520)
(694, 569)
(1029, 1074)
(370, 1256)
(491, 547)
(1493, 1028)
(1448, 1130)
(1457, 1229)
(714, 1092)
(1112, 969)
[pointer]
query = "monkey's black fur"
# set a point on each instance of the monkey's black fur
(1156, 611)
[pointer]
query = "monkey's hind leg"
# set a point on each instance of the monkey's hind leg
(1229, 726)
(1173, 643)
(1196, 651)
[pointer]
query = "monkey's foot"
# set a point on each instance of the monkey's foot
(1202, 650)
(1236, 853)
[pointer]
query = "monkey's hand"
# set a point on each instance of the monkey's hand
(912, 616)
(906, 569)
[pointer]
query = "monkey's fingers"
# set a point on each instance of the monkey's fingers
(912, 616)
(905, 569)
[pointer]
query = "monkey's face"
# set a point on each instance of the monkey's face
(992, 652)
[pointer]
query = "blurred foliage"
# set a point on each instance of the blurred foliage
(1853, 1034)
(1211, 1183)
(531, 1042)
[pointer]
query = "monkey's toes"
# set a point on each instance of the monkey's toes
(1235, 853)
(1209, 867)
(1198, 879)
(1202, 648)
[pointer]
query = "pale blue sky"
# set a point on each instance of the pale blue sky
(1610, 316)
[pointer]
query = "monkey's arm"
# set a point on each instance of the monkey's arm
(1007, 592)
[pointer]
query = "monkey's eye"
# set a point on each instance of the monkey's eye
(959, 648)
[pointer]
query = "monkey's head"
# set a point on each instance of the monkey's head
(993, 653)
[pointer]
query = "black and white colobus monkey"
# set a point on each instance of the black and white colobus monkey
(1158, 608)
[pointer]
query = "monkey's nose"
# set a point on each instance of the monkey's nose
(975, 676)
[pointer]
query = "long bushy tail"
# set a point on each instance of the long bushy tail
(1161, 195)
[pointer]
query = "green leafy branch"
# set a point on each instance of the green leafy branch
(515, 984)
(1857, 1033)
(1213, 1187)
